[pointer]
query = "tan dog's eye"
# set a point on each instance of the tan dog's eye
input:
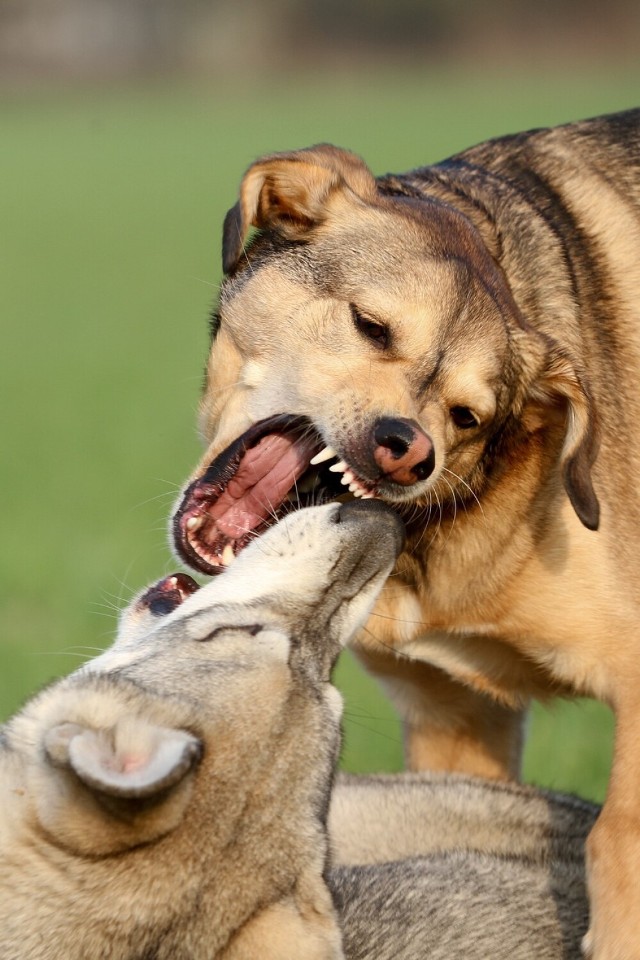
(376, 332)
(463, 418)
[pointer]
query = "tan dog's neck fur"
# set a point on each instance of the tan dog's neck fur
(505, 280)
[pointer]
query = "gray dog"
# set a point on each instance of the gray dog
(171, 798)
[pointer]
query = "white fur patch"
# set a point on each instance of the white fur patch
(334, 701)
(253, 373)
(275, 643)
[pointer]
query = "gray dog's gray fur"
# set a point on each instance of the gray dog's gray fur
(170, 799)
(482, 869)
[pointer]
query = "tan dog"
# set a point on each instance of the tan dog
(464, 342)
(169, 800)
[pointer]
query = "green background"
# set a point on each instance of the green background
(111, 206)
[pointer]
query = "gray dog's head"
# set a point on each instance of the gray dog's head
(204, 687)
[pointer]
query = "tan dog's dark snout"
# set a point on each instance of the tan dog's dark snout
(402, 450)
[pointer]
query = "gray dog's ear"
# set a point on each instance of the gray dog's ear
(561, 381)
(289, 192)
(101, 791)
(132, 760)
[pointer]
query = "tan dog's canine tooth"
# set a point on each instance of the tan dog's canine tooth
(327, 454)
(228, 556)
(339, 467)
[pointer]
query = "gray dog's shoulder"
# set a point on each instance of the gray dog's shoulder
(420, 908)
(413, 814)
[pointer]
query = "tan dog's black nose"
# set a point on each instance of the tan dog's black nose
(402, 450)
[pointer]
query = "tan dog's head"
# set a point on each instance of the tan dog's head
(365, 341)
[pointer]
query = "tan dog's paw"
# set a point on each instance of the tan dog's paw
(587, 944)
(604, 944)
(613, 862)
(595, 947)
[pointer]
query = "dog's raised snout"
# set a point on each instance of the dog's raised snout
(402, 450)
(376, 512)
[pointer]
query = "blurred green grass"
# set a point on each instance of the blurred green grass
(112, 204)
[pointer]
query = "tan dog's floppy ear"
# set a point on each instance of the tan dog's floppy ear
(560, 380)
(289, 192)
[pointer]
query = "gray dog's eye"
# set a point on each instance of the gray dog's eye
(463, 417)
(252, 629)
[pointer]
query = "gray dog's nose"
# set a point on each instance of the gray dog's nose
(376, 512)
(402, 450)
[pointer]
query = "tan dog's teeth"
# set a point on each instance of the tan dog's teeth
(327, 454)
(348, 477)
(228, 556)
(339, 467)
(193, 523)
(358, 490)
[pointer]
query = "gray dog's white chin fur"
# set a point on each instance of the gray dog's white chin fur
(292, 561)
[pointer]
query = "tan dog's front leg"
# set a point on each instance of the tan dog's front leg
(613, 852)
(448, 726)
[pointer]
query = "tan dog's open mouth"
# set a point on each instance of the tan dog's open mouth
(279, 462)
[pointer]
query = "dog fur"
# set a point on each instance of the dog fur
(420, 814)
(491, 305)
(169, 799)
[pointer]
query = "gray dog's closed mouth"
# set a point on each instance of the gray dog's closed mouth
(278, 462)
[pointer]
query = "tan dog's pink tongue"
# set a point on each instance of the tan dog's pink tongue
(266, 474)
